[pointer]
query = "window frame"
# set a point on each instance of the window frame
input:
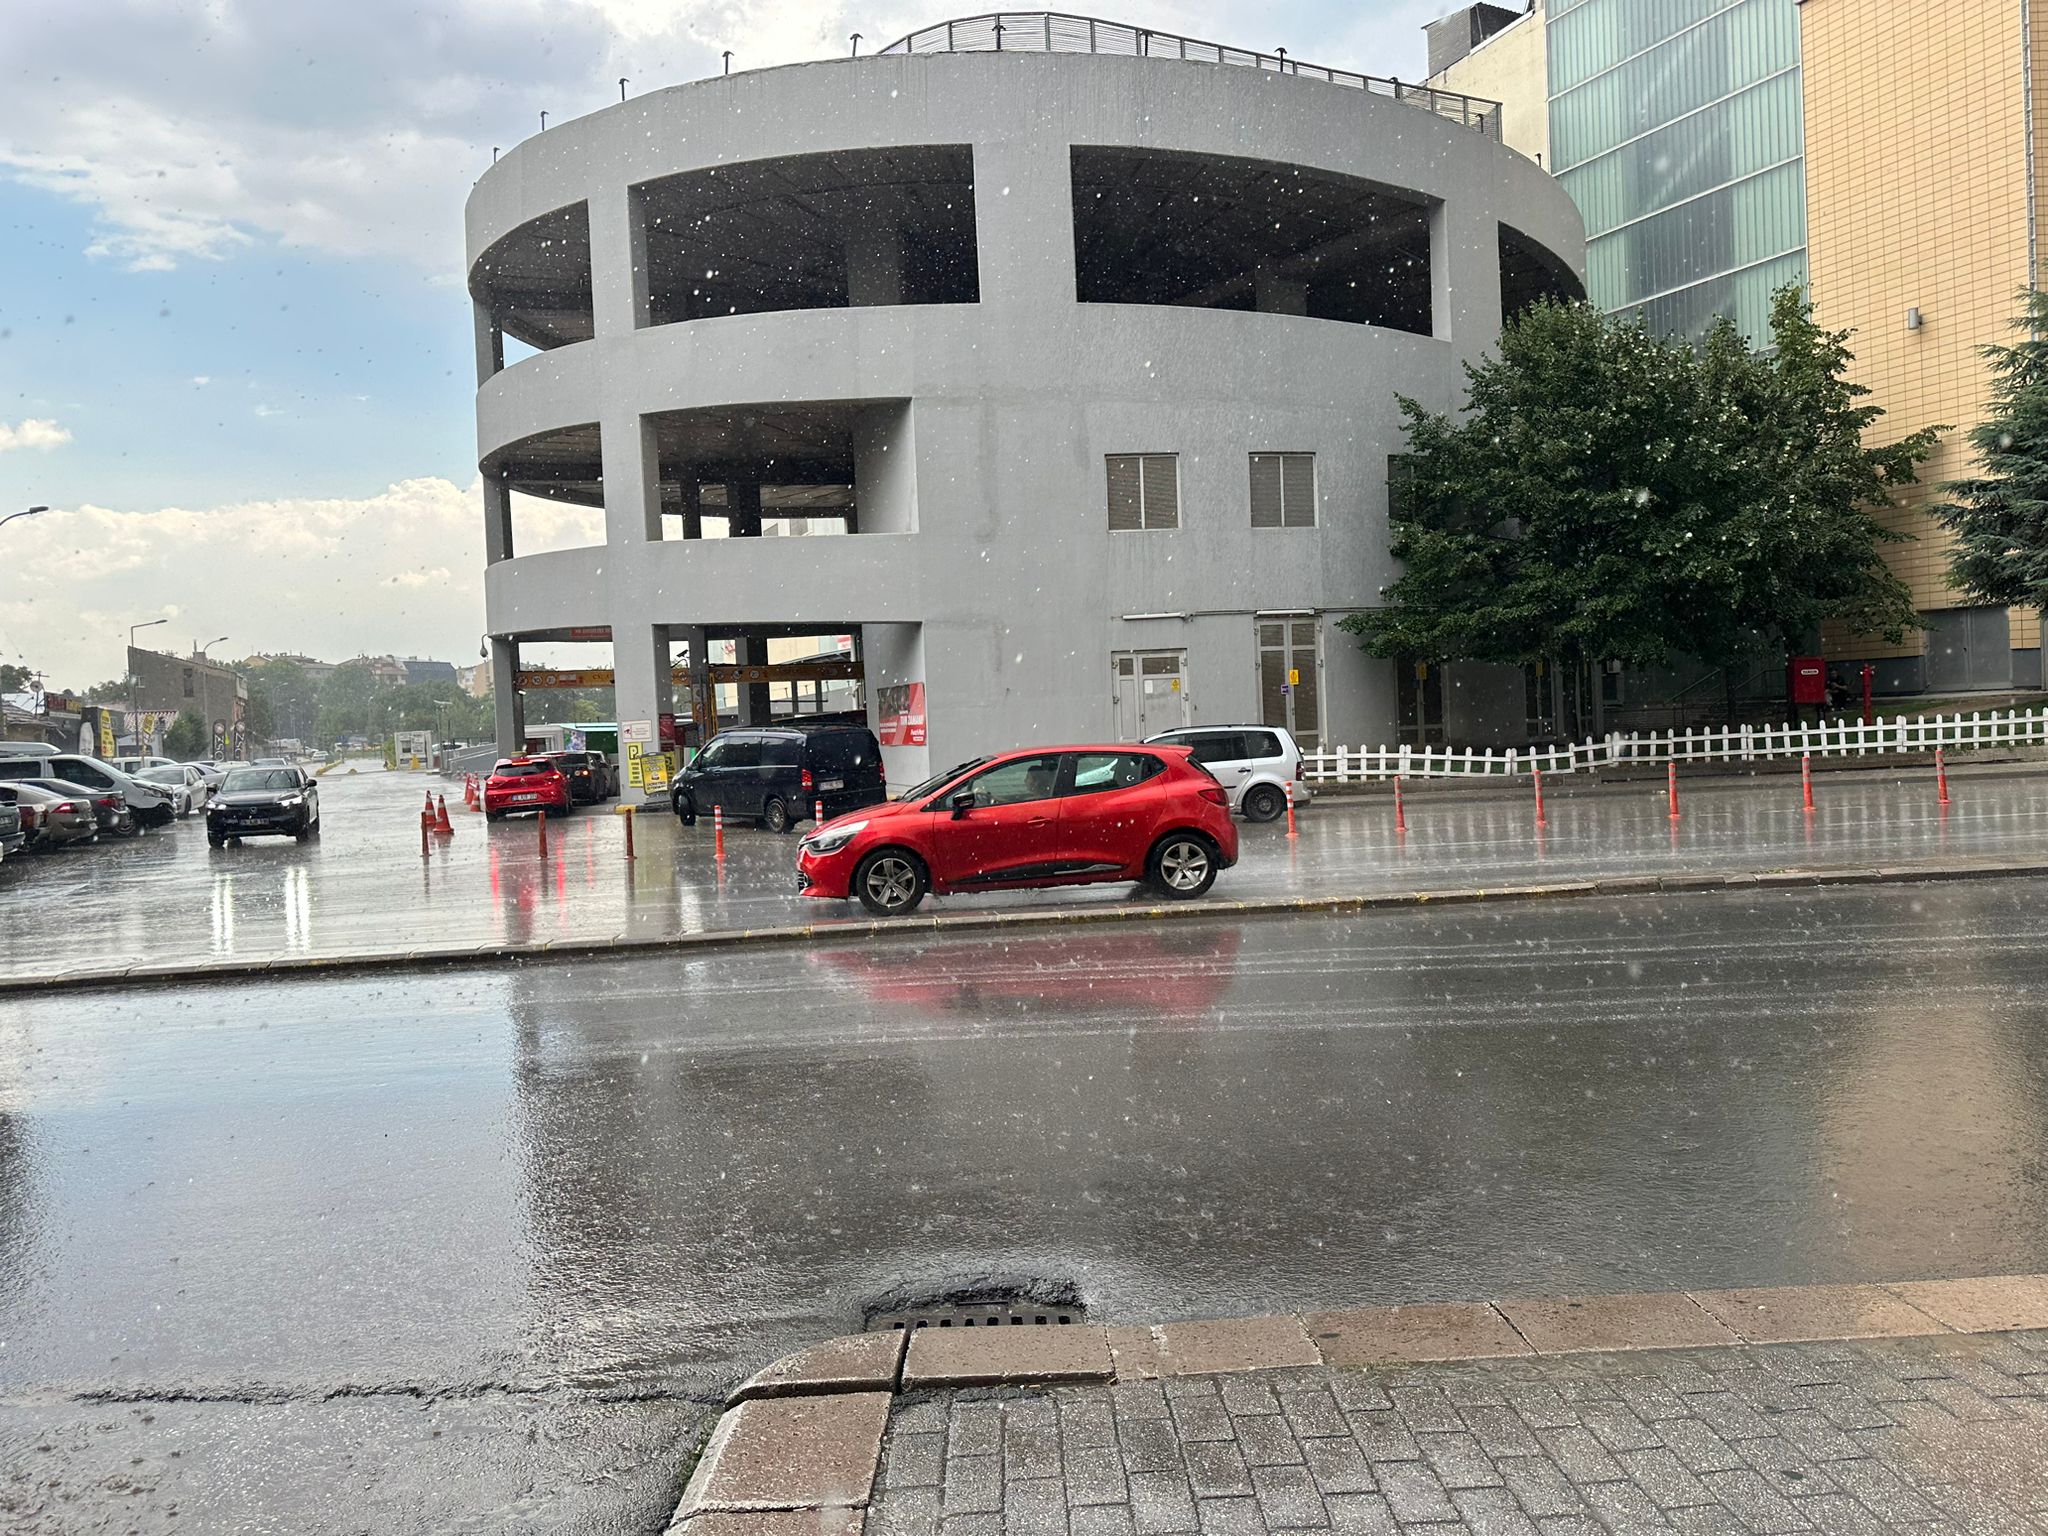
(1280, 458)
(1145, 523)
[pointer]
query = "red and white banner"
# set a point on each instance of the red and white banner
(901, 711)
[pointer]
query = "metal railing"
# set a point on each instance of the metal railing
(1058, 32)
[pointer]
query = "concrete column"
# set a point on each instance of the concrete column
(1277, 295)
(1024, 226)
(641, 688)
(884, 470)
(509, 706)
(743, 508)
(755, 704)
(632, 480)
(490, 344)
(874, 263)
(618, 262)
(497, 520)
(693, 513)
(1464, 274)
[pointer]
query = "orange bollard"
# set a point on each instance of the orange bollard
(1671, 786)
(1806, 779)
(818, 811)
(1941, 774)
(442, 824)
(1400, 811)
(718, 833)
(543, 815)
(1537, 775)
(424, 825)
(627, 812)
(1290, 813)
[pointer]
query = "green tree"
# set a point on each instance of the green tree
(187, 737)
(2000, 517)
(1609, 493)
(14, 679)
(348, 704)
(282, 699)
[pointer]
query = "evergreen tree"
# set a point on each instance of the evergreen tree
(2000, 517)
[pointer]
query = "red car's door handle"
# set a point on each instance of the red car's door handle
(1039, 821)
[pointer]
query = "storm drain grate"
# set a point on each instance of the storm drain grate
(977, 1314)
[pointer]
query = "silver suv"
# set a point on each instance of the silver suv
(1260, 765)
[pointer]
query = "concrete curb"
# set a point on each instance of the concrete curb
(982, 922)
(799, 1447)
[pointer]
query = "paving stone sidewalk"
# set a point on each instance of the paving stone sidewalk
(1930, 1434)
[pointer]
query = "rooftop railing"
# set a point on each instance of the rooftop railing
(1058, 32)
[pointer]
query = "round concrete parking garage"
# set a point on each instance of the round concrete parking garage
(1079, 345)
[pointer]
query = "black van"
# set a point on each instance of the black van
(776, 774)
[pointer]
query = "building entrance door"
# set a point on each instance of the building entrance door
(1969, 648)
(1291, 679)
(1150, 692)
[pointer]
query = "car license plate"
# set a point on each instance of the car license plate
(526, 797)
(832, 784)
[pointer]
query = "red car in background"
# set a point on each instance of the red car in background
(1037, 817)
(525, 784)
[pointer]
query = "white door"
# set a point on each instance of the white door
(1150, 692)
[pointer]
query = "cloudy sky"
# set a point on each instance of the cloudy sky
(234, 344)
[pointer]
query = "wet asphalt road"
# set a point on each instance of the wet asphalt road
(363, 885)
(462, 1250)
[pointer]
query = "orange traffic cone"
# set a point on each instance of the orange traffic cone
(442, 824)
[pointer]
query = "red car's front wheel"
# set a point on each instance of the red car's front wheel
(890, 882)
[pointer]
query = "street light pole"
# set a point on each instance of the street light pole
(135, 683)
(31, 512)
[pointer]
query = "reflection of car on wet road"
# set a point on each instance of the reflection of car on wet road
(777, 775)
(1259, 766)
(523, 784)
(1065, 816)
(260, 802)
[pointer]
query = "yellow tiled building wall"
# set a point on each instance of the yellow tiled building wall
(1917, 197)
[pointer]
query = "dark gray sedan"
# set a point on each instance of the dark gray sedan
(264, 802)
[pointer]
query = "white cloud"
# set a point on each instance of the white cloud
(35, 432)
(400, 571)
(201, 380)
(357, 130)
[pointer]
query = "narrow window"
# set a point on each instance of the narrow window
(1144, 491)
(1283, 490)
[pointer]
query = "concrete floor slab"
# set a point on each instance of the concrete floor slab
(958, 1357)
(1452, 1330)
(1656, 1320)
(1988, 1303)
(1234, 1344)
(791, 1453)
(1786, 1314)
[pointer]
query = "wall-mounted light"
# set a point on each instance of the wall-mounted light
(1913, 318)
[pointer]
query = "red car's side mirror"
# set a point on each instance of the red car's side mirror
(962, 803)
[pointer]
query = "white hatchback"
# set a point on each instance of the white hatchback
(1260, 765)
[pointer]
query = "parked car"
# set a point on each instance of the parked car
(150, 804)
(590, 780)
(188, 786)
(13, 838)
(1036, 817)
(110, 810)
(1259, 765)
(27, 749)
(257, 802)
(137, 765)
(775, 775)
(520, 784)
(51, 817)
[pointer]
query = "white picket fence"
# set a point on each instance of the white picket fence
(1729, 744)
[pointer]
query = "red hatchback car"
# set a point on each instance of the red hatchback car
(525, 784)
(1042, 816)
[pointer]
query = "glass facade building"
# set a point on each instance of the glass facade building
(1676, 126)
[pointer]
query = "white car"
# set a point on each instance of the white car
(187, 783)
(150, 803)
(1259, 765)
(135, 767)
